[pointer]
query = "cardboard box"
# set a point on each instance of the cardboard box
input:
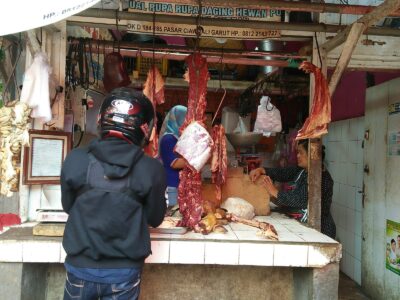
(239, 185)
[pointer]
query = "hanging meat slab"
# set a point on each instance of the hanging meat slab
(154, 86)
(219, 162)
(154, 90)
(189, 190)
(320, 116)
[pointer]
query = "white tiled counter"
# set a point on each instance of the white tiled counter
(298, 247)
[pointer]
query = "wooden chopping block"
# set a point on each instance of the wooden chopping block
(239, 185)
(49, 229)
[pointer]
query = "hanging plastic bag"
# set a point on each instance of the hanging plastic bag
(268, 118)
(241, 126)
(195, 145)
(35, 89)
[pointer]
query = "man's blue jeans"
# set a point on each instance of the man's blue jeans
(78, 289)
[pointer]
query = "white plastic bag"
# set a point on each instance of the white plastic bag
(195, 146)
(241, 126)
(35, 89)
(239, 207)
(268, 118)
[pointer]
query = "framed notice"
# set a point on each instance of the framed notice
(393, 246)
(44, 158)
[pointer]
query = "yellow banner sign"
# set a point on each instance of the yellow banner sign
(208, 31)
(222, 12)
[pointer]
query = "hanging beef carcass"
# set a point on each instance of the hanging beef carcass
(219, 160)
(154, 90)
(115, 74)
(320, 116)
(154, 86)
(189, 190)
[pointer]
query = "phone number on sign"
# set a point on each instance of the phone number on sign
(252, 33)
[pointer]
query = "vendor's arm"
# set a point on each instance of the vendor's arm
(178, 163)
(277, 174)
(168, 156)
(296, 198)
(283, 174)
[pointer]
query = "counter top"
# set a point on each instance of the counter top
(298, 246)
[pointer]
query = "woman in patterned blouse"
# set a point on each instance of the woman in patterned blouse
(297, 198)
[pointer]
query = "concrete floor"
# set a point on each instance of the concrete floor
(349, 289)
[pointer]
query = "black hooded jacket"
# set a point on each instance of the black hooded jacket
(109, 229)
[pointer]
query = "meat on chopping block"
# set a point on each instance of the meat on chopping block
(189, 190)
(267, 230)
(320, 116)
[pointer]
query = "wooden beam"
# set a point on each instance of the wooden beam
(106, 18)
(286, 5)
(369, 19)
(348, 48)
(32, 42)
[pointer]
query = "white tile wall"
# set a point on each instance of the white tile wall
(256, 254)
(344, 157)
(10, 251)
(221, 253)
(187, 252)
(34, 251)
(160, 252)
(283, 255)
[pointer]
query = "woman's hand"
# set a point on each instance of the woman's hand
(256, 173)
(269, 185)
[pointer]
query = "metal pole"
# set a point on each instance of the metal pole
(172, 49)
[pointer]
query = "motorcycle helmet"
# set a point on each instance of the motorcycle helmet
(127, 114)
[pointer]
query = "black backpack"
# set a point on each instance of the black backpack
(112, 215)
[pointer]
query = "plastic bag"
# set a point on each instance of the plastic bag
(195, 146)
(268, 118)
(239, 207)
(241, 126)
(35, 89)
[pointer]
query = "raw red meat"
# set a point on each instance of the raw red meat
(195, 146)
(320, 116)
(154, 90)
(154, 85)
(189, 190)
(219, 162)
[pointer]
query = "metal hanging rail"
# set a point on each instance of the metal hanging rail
(212, 56)
(168, 49)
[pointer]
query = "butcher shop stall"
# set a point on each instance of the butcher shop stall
(253, 77)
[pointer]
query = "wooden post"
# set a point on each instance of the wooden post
(367, 20)
(344, 59)
(314, 147)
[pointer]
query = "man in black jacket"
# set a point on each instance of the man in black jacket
(112, 192)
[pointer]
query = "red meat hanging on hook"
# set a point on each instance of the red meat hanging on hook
(320, 116)
(115, 74)
(189, 190)
(154, 90)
